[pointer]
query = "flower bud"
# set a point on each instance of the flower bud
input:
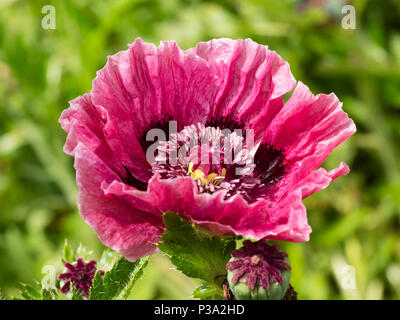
(258, 271)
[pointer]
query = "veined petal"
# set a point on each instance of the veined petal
(307, 129)
(249, 78)
(144, 87)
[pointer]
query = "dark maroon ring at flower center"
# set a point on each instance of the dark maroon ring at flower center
(220, 160)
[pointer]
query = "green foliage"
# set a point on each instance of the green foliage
(355, 221)
(197, 255)
(50, 294)
(1, 295)
(208, 291)
(68, 255)
(30, 292)
(76, 295)
(37, 292)
(118, 282)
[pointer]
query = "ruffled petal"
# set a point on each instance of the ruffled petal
(320, 179)
(142, 88)
(91, 171)
(120, 224)
(130, 220)
(292, 216)
(309, 127)
(306, 130)
(286, 220)
(84, 125)
(249, 78)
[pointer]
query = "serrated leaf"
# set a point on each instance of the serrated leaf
(117, 282)
(196, 255)
(138, 274)
(76, 295)
(49, 294)
(97, 291)
(36, 292)
(208, 291)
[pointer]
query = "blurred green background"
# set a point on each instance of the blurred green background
(356, 221)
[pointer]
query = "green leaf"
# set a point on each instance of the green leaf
(119, 281)
(36, 292)
(68, 255)
(97, 290)
(49, 294)
(196, 255)
(30, 292)
(126, 292)
(76, 295)
(208, 291)
(1, 295)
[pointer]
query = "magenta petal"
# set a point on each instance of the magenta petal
(120, 225)
(286, 221)
(248, 77)
(147, 85)
(292, 215)
(84, 125)
(91, 171)
(320, 179)
(266, 116)
(120, 213)
(309, 127)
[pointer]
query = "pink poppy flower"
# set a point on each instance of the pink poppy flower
(218, 85)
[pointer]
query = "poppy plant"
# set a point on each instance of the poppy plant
(258, 262)
(80, 274)
(208, 92)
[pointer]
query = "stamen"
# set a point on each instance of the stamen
(219, 161)
(212, 178)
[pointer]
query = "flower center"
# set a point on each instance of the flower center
(213, 177)
(255, 259)
(219, 160)
(207, 154)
